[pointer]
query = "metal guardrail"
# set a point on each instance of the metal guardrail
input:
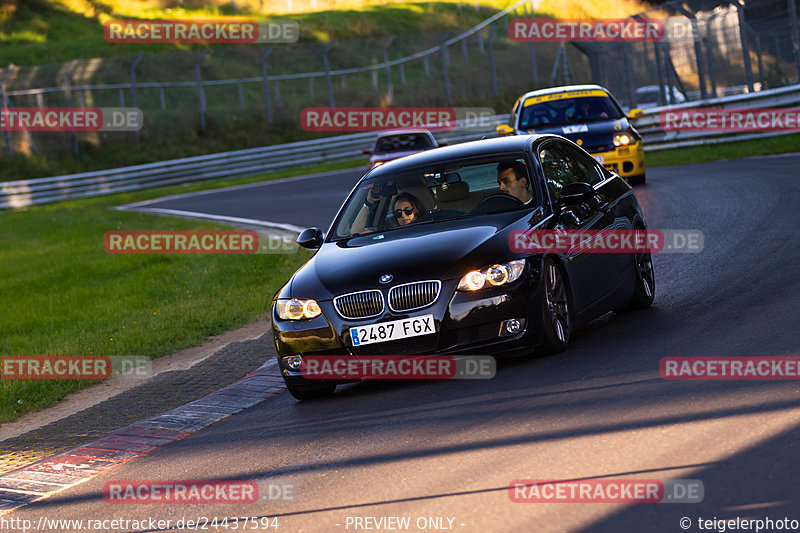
(16, 194)
(657, 139)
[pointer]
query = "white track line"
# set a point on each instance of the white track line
(221, 218)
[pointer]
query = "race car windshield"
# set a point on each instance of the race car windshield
(567, 111)
(394, 201)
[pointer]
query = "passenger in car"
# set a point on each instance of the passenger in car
(406, 209)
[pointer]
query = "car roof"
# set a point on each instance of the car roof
(484, 147)
(403, 132)
(564, 89)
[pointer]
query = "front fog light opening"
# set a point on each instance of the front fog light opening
(293, 362)
(512, 326)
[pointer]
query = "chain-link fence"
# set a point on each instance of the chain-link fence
(726, 50)
(704, 54)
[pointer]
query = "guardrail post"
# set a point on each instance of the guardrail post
(201, 93)
(402, 73)
(795, 35)
(162, 99)
(427, 66)
(132, 75)
(265, 77)
(67, 84)
(464, 51)
(241, 96)
(492, 66)
(480, 41)
(4, 104)
(374, 74)
(445, 65)
(389, 86)
(327, 64)
(311, 87)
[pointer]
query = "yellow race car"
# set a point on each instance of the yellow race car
(587, 115)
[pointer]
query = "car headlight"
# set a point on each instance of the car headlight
(297, 309)
(492, 276)
(622, 139)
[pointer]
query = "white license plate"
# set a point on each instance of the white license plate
(575, 128)
(598, 158)
(390, 331)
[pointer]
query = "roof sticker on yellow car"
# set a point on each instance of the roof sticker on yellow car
(558, 96)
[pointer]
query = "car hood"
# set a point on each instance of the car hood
(444, 250)
(593, 134)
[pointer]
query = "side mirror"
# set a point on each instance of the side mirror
(635, 113)
(366, 151)
(441, 143)
(504, 129)
(310, 238)
(575, 193)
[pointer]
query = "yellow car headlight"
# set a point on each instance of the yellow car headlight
(297, 309)
(622, 139)
(492, 276)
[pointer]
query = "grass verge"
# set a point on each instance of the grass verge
(731, 150)
(64, 295)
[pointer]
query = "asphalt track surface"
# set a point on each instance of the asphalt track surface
(598, 411)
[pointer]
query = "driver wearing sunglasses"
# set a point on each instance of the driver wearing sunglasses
(406, 209)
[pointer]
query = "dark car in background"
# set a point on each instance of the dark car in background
(453, 265)
(588, 115)
(399, 143)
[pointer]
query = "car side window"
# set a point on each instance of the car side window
(584, 167)
(563, 164)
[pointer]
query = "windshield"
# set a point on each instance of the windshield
(567, 111)
(452, 190)
(403, 143)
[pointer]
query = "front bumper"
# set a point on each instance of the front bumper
(466, 323)
(626, 161)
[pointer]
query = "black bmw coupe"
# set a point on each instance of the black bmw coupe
(418, 259)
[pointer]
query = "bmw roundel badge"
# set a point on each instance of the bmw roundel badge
(386, 278)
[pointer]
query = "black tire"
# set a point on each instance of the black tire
(556, 310)
(313, 392)
(644, 290)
